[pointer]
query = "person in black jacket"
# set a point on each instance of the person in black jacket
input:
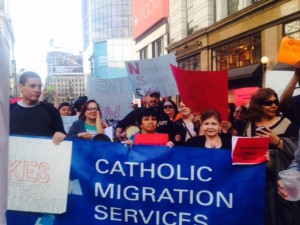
(29, 116)
(151, 99)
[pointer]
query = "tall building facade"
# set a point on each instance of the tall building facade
(65, 75)
(107, 37)
(232, 35)
(7, 40)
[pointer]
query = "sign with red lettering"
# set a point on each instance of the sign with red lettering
(146, 13)
(200, 90)
(38, 175)
(249, 150)
(242, 96)
(151, 139)
(155, 72)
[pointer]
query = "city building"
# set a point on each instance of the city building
(107, 37)
(7, 40)
(64, 76)
(232, 35)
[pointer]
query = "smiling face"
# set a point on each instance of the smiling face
(148, 124)
(65, 111)
(185, 111)
(152, 100)
(211, 126)
(270, 107)
(169, 109)
(91, 111)
(31, 91)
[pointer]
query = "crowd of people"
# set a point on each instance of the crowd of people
(265, 116)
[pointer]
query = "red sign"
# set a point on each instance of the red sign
(200, 90)
(151, 139)
(146, 13)
(242, 96)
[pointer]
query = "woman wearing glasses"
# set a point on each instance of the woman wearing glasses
(171, 110)
(266, 121)
(89, 123)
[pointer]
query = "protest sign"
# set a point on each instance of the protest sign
(242, 96)
(155, 72)
(113, 95)
(113, 184)
(68, 121)
(289, 51)
(151, 139)
(200, 90)
(38, 174)
(249, 150)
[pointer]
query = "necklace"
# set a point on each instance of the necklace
(214, 144)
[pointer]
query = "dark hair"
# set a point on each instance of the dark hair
(173, 103)
(243, 108)
(64, 104)
(27, 75)
(84, 108)
(79, 102)
(146, 112)
(255, 111)
(208, 113)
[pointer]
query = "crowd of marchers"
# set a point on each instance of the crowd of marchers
(264, 116)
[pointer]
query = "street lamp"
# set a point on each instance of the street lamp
(264, 61)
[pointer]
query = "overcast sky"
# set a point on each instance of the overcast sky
(35, 22)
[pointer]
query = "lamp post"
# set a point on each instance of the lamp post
(264, 61)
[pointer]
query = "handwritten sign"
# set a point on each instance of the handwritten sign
(155, 72)
(200, 90)
(242, 96)
(38, 175)
(289, 51)
(249, 150)
(113, 95)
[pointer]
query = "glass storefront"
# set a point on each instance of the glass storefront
(190, 63)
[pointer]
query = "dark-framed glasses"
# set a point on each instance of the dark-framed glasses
(90, 109)
(168, 107)
(270, 103)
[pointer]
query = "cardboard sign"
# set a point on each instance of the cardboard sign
(249, 150)
(242, 96)
(151, 139)
(38, 175)
(200, 90)
(289, 51)
(155, 72)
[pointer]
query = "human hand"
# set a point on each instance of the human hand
(225, 126)
(130, 142)
(85, 135)
(281, 190)
(170, 144)
(58, 137)
(177, 138)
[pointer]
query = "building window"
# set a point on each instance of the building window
(190, 63)
(144, 53)
(292, 29)
(244, 52)
(189, 16)
(157, 48)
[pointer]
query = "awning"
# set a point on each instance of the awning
(283, 66)
(243, 72)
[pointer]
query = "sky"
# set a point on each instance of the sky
(36, 22)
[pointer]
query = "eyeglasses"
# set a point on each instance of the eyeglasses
(270, 103)
(238, 111)
(168, 107)
(90, 109)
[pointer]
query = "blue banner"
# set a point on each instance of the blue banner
(112, 184)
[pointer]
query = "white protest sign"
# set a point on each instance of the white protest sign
(68, 121)
(113, 95)
(155, 72)
(278, 80)
(38, 175)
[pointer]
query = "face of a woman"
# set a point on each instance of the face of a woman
(211, 126)
(91, 111)
(65, 111)
(238, 113)
(185, 111)
(270, 106)
(149, 124)
(169, 109)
